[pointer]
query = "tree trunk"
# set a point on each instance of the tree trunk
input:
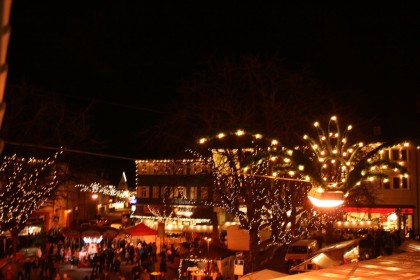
(15, 235)
(253, 248)
(215, 239)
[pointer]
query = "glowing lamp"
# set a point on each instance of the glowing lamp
(321, 198)
(92, 240)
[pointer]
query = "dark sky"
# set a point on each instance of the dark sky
(130, 55)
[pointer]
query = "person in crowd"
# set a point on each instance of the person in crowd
(27, 267)
(145, 275)
(163, 269)
(136, 271)
(95, 263)
(153, 250)
(94, 275)
(9, 273)
(130, 255)
(106, 275)
(151, 265)
(19, 268)
(213, 271)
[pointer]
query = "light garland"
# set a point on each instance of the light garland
(172, 219)
(110, 190)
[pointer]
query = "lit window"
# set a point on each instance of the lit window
(385, 155)
(156, 169)
(193, 193)
(204, 193)
(181, 193)
(144, 169)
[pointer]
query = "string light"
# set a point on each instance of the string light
(27, 183)
(110, 190)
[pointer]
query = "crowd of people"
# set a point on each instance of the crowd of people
(108, 259)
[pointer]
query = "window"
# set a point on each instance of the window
(405, 183)
(143, 192)
(168, 170)
(386, 185)
(404, 155)
(395, 154)
(396, 182)
(204, 193)
(179, 170)
(195, 168)
(156, 169)
(155, 190)
(385, 155)
(164, 192)
(172, 192)
(167, 192)
(181, 193)
(193, 193)
(144, 169)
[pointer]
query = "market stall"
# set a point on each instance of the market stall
(204, 260)
(141, 232)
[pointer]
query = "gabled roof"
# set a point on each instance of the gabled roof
(322, 257)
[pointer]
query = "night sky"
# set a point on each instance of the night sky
(130, 55)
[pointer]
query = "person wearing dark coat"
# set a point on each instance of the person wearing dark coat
(163, 269)
(27, 267)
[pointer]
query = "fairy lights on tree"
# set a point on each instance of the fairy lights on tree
(26, 185)
(265, 185)
(252, 195)
(330, 162)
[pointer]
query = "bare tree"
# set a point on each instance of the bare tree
(251, 93)
(36, 118)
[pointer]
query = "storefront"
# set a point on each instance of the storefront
(385, 218)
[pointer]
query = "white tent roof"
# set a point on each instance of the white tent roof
(401, 266)
(265, 274)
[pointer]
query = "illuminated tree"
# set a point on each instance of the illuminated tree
(26, 184)
(332, 166)
(257, 200)
(267, 186)
(330, 162)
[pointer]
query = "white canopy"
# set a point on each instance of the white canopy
(265, 274)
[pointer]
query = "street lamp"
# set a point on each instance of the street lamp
(208, 239)
(321, 198)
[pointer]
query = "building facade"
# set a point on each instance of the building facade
(173, 190)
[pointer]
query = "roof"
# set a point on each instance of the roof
(263, 274)
(321, 257)
(140, 230)
(303, 242)
(398, 266)
(337, 246)
(402, 266)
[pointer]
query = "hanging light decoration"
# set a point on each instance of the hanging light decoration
(322, 198)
